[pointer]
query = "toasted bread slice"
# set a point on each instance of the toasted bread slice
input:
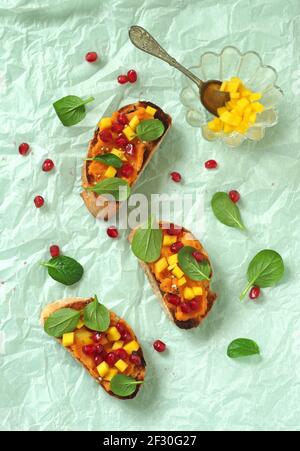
(83, 337)
(165, 284)
(97, 204)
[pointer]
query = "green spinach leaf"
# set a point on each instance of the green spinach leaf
(191, 267)
(150, 129)
(109, 159)
(227, 211)
(147, 243)
(71, 109)
(96, 316)
(124, 386)
(116, 187)
(61, 322)
(242, 347)
(64, 269)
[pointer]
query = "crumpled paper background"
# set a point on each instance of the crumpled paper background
(193, 386)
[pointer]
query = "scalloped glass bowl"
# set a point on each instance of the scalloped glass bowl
(256, 76)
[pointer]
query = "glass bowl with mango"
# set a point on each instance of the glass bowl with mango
(253, 92)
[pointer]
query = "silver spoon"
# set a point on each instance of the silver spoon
(210, 95)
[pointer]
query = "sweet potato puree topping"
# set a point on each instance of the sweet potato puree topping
(185, 298)
(117, 135)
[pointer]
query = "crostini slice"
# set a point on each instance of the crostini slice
(118, 135)
(105, 355)
(180, 275)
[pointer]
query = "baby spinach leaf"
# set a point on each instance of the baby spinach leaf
(227, 211)
(109, 159)
(242, 347)
(191, 267)
(71, 109)
(114, 186)
(150, 129)
(124, 386)
(265, 270)
(61, 322)
(64, 269)
(147, 242)
(96, 316)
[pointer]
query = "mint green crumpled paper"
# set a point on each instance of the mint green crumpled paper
(192, 386)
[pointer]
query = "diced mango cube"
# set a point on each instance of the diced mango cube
(188, 293)
(113, 334)
(168, 240)
(68, 339)
(223, 86)
(243, 103)
(246, 92)
(105, 122)
(252, 118)
(231, 119)
(131, 347)
(181, 282)
(242, 128)
(111, 373)
(198, 291)
(110, 172)
(255, 96)
(151, 111)
(121, 365)
(134, 123)
(173, 259)
(161, 265)
(216, 124)
(171, 267)
(221, 111)
(177, 272)
(257, 107)
(103, 369)
(80, 324)
(83, 337)
(233, 86)
(129, 133)
(234, 95)
(119, 153)
(228, 128)
(117, 345)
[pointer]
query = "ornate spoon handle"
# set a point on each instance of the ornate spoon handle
(145, 42)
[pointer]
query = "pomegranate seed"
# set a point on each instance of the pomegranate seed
(122, 79)
(126, 336)
(135, 359)
(175, 247)
(132, 76)
(172, 230)
(112, 232)
(111, 358)
(97, 337)
(194, 304)
(105, 135)
(39, 201)
(254, 293)
(176, 177)
(211, 164)
(234, 196)
(198, 256)
(116, 127)
(121, 354)
(185, 307)
(122, 119)
(48, 165)
(126, 170)
(130, 149)
(173, 299)
(23, 149)
(121, 141)
(98, 359)
(99, 349)
(121, 328)
(54, 251)
(88, 349)
(159, 346)
(91, 57)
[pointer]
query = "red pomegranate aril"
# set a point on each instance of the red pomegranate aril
(48, 165)
(91, 57)
(105, 135)
(126, 170)
(121, 141)
(116, 127)
(254, 293)
(176, 177)
(130, 149)
(121, 354)
(198, 256)
(112, 232)
(135, 359)
(175, 247)
(234, 196)
(132, 76)
(39, 201)
(23, 149)
(121, 328)
(173, 299)
(99, 349)
(126, 336)
(194, 304)
(98, 359)
(159, 346)
(111, 358)
(174, 231)
(97, 337)
(185, 307)
(211, 164)
(122, 119)
(122, 79)
(54, 251)
(88, 349)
